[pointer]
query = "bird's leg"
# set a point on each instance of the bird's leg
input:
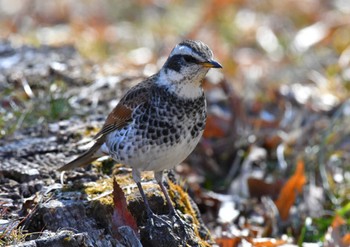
(144, 198)
(159, 178)
(151, 216)
(172, 211)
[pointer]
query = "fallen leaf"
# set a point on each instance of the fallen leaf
(258, 188)
(228, 242)
(271, 142)
(333, 237)
(346, 239)
(121, 214)
(214, 127)
(290, 190)
(338, 221)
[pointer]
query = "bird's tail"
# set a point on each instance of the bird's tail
(84, 159)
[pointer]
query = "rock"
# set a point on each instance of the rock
(58, 239)
(129, 238)
(70, 213)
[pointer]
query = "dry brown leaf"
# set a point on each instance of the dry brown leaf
(338, 221)
(214, 127)
(258, 188)
(334, 236)
(228, 242)
(346, 239)
(290, 190)
(271, 142)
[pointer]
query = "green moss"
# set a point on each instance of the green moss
(98, 187)
(183, 201)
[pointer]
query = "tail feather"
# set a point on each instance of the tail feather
(84, 159)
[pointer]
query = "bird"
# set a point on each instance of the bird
(158, 122)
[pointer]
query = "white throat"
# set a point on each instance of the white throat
(189, 88)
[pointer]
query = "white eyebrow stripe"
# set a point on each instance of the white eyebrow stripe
(185, 50)
(181, 49)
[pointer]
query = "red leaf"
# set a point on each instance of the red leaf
(228, 242)
(290, 190)
(121, 214)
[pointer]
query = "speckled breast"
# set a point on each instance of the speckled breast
(163, 132)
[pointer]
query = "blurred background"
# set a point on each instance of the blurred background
(275, 157)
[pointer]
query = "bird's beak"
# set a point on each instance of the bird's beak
(211, 64)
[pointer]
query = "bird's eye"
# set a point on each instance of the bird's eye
(190, 59)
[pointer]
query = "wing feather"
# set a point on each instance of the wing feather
(120, 116)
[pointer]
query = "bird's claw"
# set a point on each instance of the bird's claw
(172, 221)
(180, 225)
(158, 221)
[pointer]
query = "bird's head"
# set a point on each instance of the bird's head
(186, 67)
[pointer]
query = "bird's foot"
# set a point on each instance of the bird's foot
(168, 223)
(159, 231)
(158, 220)
(179, 225)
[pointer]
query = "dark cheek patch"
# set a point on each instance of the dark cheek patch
(174, 63)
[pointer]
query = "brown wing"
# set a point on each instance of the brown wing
(117, 119)
(121, 115)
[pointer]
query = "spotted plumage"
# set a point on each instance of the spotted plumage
(157, 123)
(162, 133)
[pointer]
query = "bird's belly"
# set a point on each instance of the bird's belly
(165, 157)
(133, 149)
